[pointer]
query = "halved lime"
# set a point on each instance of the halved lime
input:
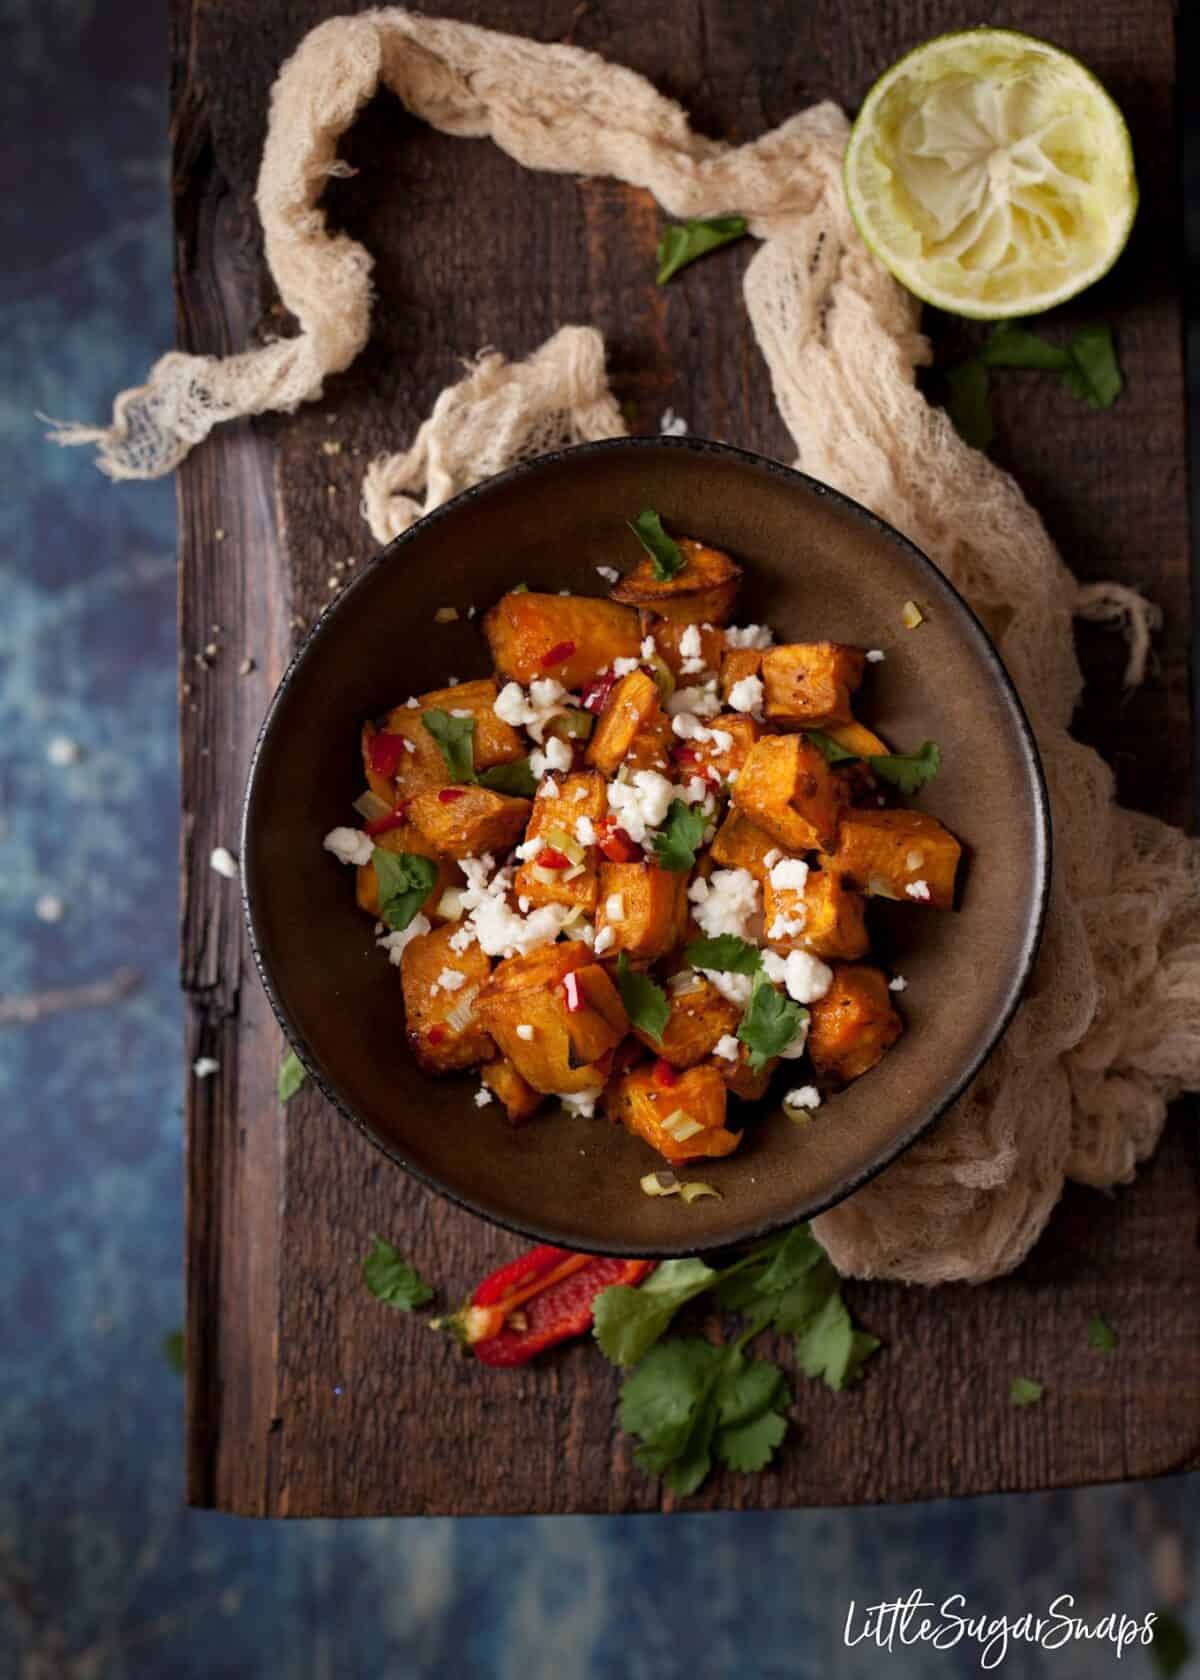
(992, 174)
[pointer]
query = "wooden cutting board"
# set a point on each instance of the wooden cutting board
(306, 1396)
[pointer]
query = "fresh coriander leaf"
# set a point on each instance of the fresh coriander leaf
(666, 1397)
(1025, 1391)
(1101, 1335)
(665, 553)
(751, 1446)
(291, 1076)
(1093, 372)
(751, 1402)
(456, 738)
(792, 1258)
(519, 589)
(390, 1278)
(967, 402)
(726, 954)
(833, 750)
(1171, 1645)
(1011, 344)
(683, 242)
(627, 1321)
(645, 1003)
(517, 779)
(173, 1350)
(404, 882)
(830, 1347)
(675, 844)
(770, 1023)
(908, 771)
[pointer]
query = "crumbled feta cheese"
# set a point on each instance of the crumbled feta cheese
(412, 702)
(726, 903)
(501, 930)
(772, 858)
(604, 941)
(460, 711)
(702, 700)
(746, 695)
(582, 1103)
(579, 795)
(688, 726)
(524, 905)
(874, 657)
(61, 751)
(394, 943)
(558, 755)
(530, 848)
(690, 643)
(205, 1066)
(735, 987)
(804, 1096)
(897, 983)
(224, 862)
(672, 424)
(348, 845)
(482, 1097)
(531, 711)
(917, 889)
(755, 636)
(547, 789)
(450, 906)
(585, 829)
(784, 927)
(614, 907)
(796, 1047)
(610, 574)
(49, 908)
(805, 977)
(641, 803)
(721, 739)
(525, 1031)
(584, 931)
(789, 873)
(449, 980)
(649, 647)
(622, 667)
(462, 939)
(452, 682)
(728, 1048)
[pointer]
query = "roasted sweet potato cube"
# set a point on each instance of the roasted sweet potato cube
(699, 1017)
(495, 742)
(853, 1024)
(787, 788)
(723, 749)
(702, 593)
(644, 906)
(467, 821)
(420, 764)
(580, 795)
(738, 844)
(651, 748)
(810, 683)
(683, 1120)
(899, 854)
(526, 1009)
(827, 918)
(737, 664)
(741, 1080)
(406, 838)
(667, 635)
(519, 1098)
(569, 637)
(633, 706)
(428, 962)
(856, 738)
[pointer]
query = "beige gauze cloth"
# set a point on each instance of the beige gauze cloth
(1110, 1029)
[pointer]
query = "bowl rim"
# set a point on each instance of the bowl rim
(971, 624)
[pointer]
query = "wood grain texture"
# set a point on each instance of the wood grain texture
(305, 1395)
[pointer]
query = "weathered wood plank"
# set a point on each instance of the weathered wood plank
(305, 1395)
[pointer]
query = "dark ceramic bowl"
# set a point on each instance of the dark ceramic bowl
(816, 566)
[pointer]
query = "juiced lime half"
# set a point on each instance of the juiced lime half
(992, 174)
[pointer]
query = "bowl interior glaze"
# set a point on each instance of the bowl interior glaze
(816, 567)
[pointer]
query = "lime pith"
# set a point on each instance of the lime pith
(992, 174)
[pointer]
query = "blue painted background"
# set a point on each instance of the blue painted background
(103, 1572)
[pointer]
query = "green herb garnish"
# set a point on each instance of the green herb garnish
(390, 1278)
(174, 1350)
(682, 242)
(516, 779)
(1088, 367)
(906, 771)
(1101, 1335)
(456, 738)
(405, 881)
(645, 1003)
(726, 954)
(676, 842)
(291, 1075)
(770, 1023)
(665, 553)
(1025, 1391)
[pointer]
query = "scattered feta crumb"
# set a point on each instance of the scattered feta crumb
(557, 754)
(702, 699)
(533, 711)
(460, 711)
(524, 905)
(224, 862)
(614, 907)
(721, 739)
(412, 703)
(790, 873)
(746, 695)
(671, 424)
(805, 977)
(726, 903)
(804, 1096)
(874, 657)
(452, 682)
(348, 845)
(917, 889)
(621, 667)
(525, 1031)
(755, 636)
(728, 1048)
(547, 789)
(649, 647)
(641, 803)
(394, 943)
(205, 1066)
(897, 983)
(449, 980)
(691, 651)
(585, 829)
(603, 941)
(529, 849)
(49, 908)
(582, 1103)
(687, 726)
(579, 796)
(471, 612)
(61, 750)
(610, 574)
(584, 931)
(772, 858)
(482, 1097)
(735, 987)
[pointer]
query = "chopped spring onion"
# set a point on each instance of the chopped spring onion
(663, 675)
(370, 806)
(551, 877)
(450, 906)
(685, 982)
(660, 1184)
(463, 1013)
(564, 843)
(681, 1126)
(911, 615)
(571, 725)
(695, 1188)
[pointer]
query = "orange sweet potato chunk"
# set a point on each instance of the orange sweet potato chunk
(667, 634)
(853, 1024)
(530, 635)
(648, 1108)
(421, 764)
(887, 853)
(704, 592)
(475, 821)
(738, 844)
(652, 905)
(633, 707)
(698, 1019)
(736, 664)
(406, 838)
(832, 917)
(526, 1009)
(438, 1046)
(579, 795)
(810, 683)
(735, 735)
(519, 1098)
(786, 787)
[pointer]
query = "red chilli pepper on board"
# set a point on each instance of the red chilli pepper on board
(557, 655)
(544, 1297)
(386, 752)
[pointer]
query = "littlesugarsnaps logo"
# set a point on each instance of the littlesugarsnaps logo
(917, 1620)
